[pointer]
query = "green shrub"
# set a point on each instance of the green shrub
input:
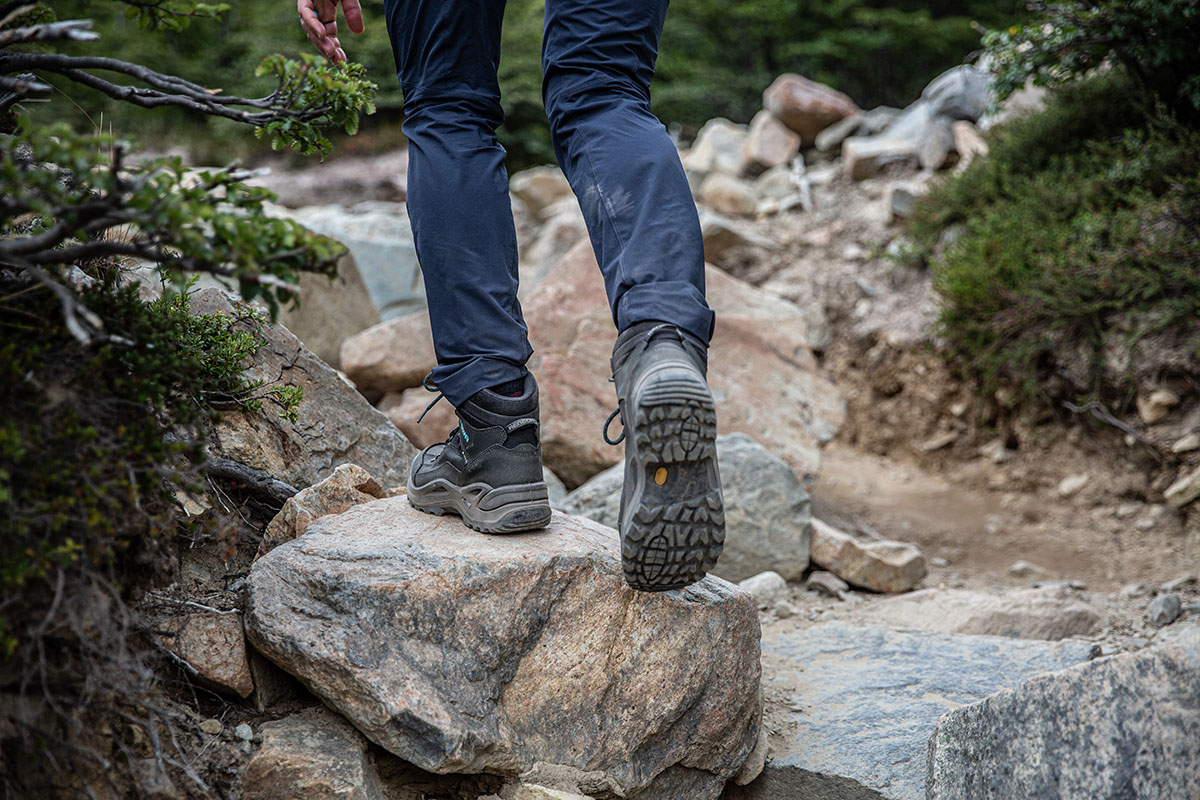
(1083, 220)
(90, 456)
(1157, 41)
(106, 396)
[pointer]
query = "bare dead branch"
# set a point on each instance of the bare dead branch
(76, 30)
(161, 89)
(260, 484)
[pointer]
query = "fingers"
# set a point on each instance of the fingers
(319, 20)
(354, 18)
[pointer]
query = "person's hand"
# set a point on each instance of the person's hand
(319, 20)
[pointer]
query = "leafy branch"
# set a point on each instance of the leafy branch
(1155, 40)
(310, 94)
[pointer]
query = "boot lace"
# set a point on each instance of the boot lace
(458, 435)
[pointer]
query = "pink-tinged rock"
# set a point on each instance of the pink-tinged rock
(770, 143)
(390, 357)
(405, 408)
(348, 486)
(718, 148)
(215, 646)
(540, 188)
(805, 106)
(761, 369)
(462, 652)
(881, 566)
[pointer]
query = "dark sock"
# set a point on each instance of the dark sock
(513, 388)
(494, 407)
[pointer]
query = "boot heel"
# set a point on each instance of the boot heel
(677, 528)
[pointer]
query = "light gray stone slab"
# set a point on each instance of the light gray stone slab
(863, 701)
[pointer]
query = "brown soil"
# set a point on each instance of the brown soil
(922, 458)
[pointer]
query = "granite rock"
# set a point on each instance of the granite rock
(1051, 613)
(335, 424)
(1126, 727)
(348, 486)
(380, 238)
(764, 376)
(805, 106)
(461, 652)
(540, 188)
(726, 194)
(313, 755)
(862, 701)
(390, 357)
(213, 644)
(881, 566)
(718, 148)
(770, 143)
(959, 93)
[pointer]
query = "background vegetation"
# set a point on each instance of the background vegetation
(1078, 237)
(107, 396)
(715, 60)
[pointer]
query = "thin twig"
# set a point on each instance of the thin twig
(1097, 410)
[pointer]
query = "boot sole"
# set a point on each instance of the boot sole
(676, 529)
(506, 509)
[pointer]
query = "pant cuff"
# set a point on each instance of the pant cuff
(459, 382)
(677, 302)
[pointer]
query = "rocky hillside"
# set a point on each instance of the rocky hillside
(921, 595)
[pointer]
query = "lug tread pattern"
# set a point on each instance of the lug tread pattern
(675, 536)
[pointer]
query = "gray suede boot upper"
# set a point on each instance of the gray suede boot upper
(672, 519)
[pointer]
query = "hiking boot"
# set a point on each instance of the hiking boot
(672, 519)
(489, 470)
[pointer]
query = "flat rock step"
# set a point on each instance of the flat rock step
(859, 703)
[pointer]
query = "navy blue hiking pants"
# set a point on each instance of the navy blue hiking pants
(597, 61)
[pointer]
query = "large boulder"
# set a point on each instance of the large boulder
(805, 106)
(1051, 613)
(1120, 728)
(331, 311)
(380, 238)
(461, 652)
(764, 377)
(767, 517)
(563, 228)
(334, 425)
(857, 704)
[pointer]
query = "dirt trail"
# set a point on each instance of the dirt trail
(922, 458)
